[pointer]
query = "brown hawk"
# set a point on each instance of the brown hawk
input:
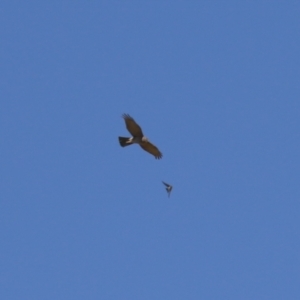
(138, 137)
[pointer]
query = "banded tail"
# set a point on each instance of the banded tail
(124, 141)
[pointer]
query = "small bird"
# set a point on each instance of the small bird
(168, 188)
(138, 137)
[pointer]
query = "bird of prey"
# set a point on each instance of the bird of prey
(138, 137)
(168, 188)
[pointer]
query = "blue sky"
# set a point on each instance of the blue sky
(215, 85)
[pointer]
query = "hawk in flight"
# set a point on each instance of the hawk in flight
(168, 188)
(138, 137)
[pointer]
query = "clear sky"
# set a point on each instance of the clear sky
(215, 85)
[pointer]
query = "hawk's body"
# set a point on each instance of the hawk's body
(124, 141)
(138, 137)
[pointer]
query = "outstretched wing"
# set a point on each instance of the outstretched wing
(167, 185)
(132, 126)
(147, 146)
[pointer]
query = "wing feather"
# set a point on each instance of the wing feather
(166, 184)
(147, 146)
(132, 126)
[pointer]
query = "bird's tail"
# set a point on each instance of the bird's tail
(124, 141)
